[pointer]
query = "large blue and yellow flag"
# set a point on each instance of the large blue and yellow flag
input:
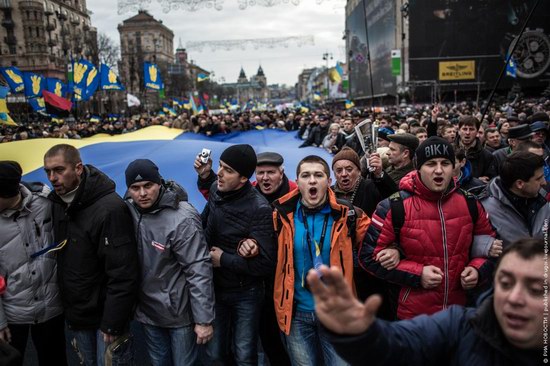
(56, 86)
(38, 104)
(151, 74)
(109, 80)
(34, 84)
(14, 77)
(172, 151)
(4, 112)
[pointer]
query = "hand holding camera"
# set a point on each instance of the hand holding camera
(203, 163)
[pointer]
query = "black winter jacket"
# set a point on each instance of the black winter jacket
(98, 267)
(229, 218)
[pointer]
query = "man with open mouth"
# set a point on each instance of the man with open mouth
(443, 233)
(314, 228)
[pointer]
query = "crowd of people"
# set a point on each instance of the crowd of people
(377, 267)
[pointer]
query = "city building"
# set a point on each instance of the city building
(254, 89)
(42, 36)
(145, 39)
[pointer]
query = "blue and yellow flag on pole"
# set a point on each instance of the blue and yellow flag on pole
(4, 112)
(109, 80)
(56, 86)
(79, 71)
(34, 84)
(152, 77)
(14, 77)
(349, 104)
(202, 77)
(38, 104)
(92, 80)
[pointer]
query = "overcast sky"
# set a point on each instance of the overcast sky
(281, 65)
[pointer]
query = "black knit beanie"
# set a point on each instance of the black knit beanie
(142, 170)
(241, 158)
(10, 176)
(434, 147)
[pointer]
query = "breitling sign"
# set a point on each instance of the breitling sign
(457, 70)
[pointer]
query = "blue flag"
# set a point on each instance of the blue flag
(511, 68)
(56, 86)
(109, 80)
(37, 104)
(151, 74)
(34, 84)
(14, 77)
(86, 80)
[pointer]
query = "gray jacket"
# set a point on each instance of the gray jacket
(507, 221)
(176, 271)
(32, 293)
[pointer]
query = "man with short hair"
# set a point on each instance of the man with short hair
(513, 200)
(492, 140)
(402, 147)
(313, 229)
(482, 161)
(96, 257)
(176, 297)
(421, 134)
(506, 329)
(436, 233)
(236, 214)
(348, 137)
(32, 303)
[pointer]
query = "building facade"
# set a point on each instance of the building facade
(254, 89)
(145, 39)
(42, 35)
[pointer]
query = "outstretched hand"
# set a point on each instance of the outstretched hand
(336, 306)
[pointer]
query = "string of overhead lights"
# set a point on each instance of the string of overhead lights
(242, 44)
(125, 6)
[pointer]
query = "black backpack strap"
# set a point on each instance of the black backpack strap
(397, 215)
(351, 220)
(471, 201)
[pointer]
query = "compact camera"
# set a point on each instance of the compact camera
(205, 155)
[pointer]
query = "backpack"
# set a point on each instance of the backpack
(398, 210)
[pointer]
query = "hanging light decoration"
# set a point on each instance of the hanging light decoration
(243, 4)
(190, 5)
(242, 44)
(125, 6)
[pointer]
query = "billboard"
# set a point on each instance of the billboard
(381, 27)
(463, 42)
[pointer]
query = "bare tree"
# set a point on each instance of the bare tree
(109, 51)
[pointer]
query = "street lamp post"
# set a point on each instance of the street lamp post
(326, 57)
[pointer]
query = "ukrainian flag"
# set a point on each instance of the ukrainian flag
(316, 96)
(4, 112)
(349, 104)
(202, 77)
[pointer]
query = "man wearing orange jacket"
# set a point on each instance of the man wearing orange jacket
(313, 228)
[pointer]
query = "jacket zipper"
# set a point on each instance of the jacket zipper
(405, 295)
(445, 255)
(342, 263)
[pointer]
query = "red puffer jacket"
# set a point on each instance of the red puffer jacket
(438, 230)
